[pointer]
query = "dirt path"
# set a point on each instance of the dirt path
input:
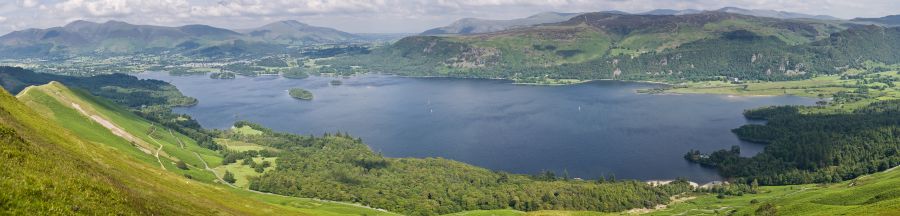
(116, 130)
(176, 138)
(150, 134)
(157, 157)
(213, 171)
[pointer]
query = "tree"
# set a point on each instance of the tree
(181, 165)
(259, 169)
(767, 210)
(754, 186)
(229, 177)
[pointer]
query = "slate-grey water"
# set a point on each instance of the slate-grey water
(590, 129)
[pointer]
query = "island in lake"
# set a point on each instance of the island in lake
(300, 93)
(222, 75)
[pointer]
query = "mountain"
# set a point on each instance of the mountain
(670, 12)
(112, 37)
(622, 46)
(750, 12)
(892, 20)
(294, 32)
(475, 25)
(120, 37)
(775, 14)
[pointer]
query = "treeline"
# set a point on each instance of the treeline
(123, 89)
(340, 167)
(813, 148)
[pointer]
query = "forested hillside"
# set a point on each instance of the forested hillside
(814, 147)
(852, 134)
(701, 46)
(340, 167)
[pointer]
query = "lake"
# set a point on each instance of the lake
(588, 130)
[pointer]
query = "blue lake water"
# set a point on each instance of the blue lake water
(587, 130)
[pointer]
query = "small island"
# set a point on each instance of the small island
(300, 93)
(222, 75)
(336, 82)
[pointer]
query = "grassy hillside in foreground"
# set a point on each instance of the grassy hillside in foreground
(875, 194)
(138, 137)
(82, 167)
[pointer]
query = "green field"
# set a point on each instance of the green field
(878, 85)
(246, 130)
(241, 146)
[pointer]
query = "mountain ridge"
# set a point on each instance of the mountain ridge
(477, 25)
(113, 36)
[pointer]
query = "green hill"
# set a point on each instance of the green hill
(875, 194)
(701, 46)
(70, 163)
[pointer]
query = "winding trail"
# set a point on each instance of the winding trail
(176, 138)
(213, 171)
(160, 146)
(157, 157)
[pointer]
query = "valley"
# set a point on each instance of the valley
(492, 108)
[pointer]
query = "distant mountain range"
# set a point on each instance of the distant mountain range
(291, 31)
(892, 20)
(120, 37)
(691, 46)
(115, 37)
(750, 12)
(475, 25)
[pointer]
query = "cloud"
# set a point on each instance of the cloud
(29, 3)
(2, 19)
(375, 15)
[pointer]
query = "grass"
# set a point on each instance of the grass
(93, 171)
(853, 197)
(243, 172)
(246, 130)
(875, 194)
(822, 86)
(241, 146)
(176, 147)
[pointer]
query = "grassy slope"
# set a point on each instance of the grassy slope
(876, 194)
(124, 179)
(57, 98)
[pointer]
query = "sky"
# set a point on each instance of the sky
(374, 16)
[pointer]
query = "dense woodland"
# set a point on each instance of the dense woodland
(339, 167)
(813, 148)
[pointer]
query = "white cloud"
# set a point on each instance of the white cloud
(29, 3)
(2, 19)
